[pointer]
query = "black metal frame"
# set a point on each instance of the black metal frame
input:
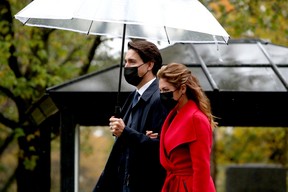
(94, 107)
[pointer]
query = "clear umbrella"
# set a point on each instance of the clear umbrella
(162, 20)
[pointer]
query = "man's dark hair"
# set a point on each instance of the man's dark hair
(148, 52)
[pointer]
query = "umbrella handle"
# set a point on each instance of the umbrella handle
(117, 111)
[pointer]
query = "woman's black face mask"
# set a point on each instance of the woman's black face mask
(167, 100)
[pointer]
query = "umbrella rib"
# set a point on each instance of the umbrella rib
(166, 34)
(216, 42)
(26, 21)
(89, 27)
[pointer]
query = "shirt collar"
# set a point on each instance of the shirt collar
(144, 87)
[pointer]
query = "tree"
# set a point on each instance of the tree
(251, 145)
(252, 18)
(31, 60)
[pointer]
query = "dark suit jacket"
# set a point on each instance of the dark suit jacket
(146, 173)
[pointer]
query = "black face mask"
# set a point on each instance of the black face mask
(167, 100)
(131, 75)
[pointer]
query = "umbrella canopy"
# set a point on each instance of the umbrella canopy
(161, 20)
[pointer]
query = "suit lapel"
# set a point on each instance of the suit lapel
(182, 126)
(127, 107)
(138, 110)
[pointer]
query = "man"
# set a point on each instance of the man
(133, 164)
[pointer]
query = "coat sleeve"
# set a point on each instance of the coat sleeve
(200, 154)
(151, 118)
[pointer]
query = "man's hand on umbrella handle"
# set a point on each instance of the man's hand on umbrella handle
(117, 126)
(151, 134)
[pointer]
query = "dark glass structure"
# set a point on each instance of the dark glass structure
(246, 81)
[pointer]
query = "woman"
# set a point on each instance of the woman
(186, 138)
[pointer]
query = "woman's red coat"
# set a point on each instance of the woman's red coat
(185, 147)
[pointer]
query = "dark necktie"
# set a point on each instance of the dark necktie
(135, 99)
(134, 102)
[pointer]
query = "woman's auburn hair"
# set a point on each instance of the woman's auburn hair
(178, 74)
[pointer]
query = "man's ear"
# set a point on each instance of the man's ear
(151, 65)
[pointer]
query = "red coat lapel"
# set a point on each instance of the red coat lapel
(181, 129)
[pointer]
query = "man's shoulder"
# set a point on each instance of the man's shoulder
(152, 91)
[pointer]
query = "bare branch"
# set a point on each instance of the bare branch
(97, 41)
(9, 182)
(8, 122)
(5, 144)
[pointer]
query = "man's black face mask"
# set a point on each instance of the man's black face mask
(131, 75)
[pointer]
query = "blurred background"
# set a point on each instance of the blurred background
(34, 59)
